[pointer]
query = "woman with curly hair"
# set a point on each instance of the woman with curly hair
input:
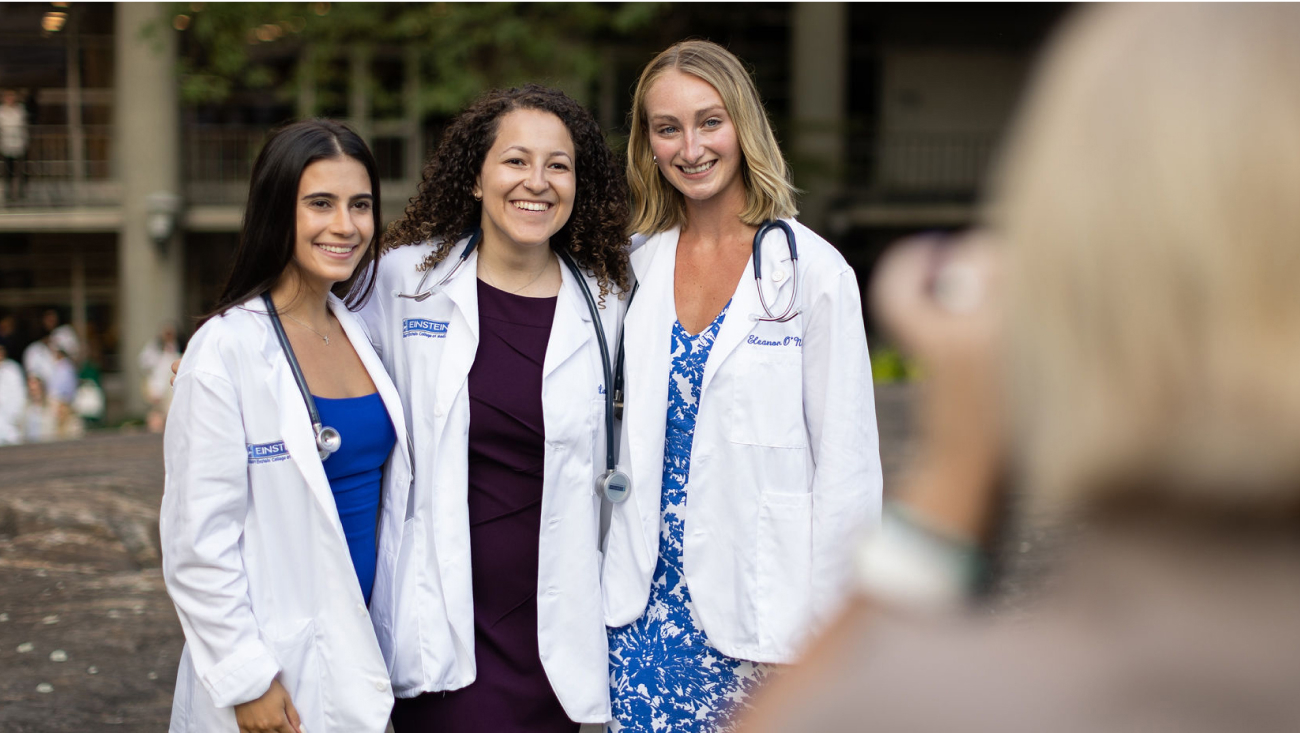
(493, 347)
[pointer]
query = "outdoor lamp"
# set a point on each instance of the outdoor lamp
(161, 210)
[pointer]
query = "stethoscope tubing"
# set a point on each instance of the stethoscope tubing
(328, 439)
(789, 311)
(420, 295)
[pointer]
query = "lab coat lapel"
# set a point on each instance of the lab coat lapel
(745, 305)
(571, 328)
(383, 384)
(462, 338)
(295, 423)
(648, 359)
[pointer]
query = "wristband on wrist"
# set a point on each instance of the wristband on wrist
(909, 565)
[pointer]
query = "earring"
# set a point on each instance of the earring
(478, 196)
(654, 158)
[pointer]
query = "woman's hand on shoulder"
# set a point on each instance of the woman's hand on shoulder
(273, 712)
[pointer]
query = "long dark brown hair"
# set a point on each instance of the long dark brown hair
(268, 231)
(445, 206)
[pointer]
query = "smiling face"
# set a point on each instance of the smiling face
(693, 137)
(335, 221)
(528, 180)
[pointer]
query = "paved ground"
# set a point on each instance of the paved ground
(88, 638)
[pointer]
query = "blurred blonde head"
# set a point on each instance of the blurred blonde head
(1151, 207)
(656, 205)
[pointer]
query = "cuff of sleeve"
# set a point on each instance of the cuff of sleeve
(905, 564)
(241, 677)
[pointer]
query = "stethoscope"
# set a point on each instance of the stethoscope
(789, 311)
(421, 294)
(328, 439)
(614, 484)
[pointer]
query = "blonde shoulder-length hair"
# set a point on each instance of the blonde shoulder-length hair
(1150, 205)
(769, 194)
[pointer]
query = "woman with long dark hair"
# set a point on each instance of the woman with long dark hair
(495, 344)
(282, 514)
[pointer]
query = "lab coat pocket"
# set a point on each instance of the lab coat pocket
(767, 398)
(300, 664)
(405, 665)
(784, 568)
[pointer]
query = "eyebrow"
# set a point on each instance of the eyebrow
(523, 149)
(334, 197)
(706, 112)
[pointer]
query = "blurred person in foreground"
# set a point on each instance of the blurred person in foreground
(1123, 343)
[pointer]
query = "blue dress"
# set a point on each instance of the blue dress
(355, 473)
(665, 676)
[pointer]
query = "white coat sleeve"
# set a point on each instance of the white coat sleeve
(204, 505)
(839, 408)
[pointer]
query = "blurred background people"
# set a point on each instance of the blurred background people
(63, 383)
(1123, 344)
(13, 143)
(38, 357)
(155, 363)
(40, 418)
(13, 398)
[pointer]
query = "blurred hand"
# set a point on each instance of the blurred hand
(940, 301)
(176, 367)
(273, 712)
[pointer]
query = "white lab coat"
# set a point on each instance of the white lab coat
(785, 461)
(254, 553)
(429, 346)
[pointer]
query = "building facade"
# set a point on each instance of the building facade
(888, 113)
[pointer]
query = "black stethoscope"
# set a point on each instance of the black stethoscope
(328, 439)
(614, 484)
(789, 311)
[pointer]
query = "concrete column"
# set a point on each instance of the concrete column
(413, 114)
(359, 91)
(147, 130)
(819, 83)
(307, 83)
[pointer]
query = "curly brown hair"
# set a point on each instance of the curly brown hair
(444, 208)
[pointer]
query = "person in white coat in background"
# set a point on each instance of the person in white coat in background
(495, 345)
(749, 426)
(285, 498)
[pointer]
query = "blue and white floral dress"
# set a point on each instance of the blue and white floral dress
(665, 676)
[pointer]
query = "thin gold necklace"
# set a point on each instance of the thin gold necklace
(324, 338)
(536, 277)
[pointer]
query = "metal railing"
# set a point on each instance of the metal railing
(919, 166)
(56, 176)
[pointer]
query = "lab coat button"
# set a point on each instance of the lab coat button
(361, 609)
(778, 275)
(381, 685)
(438, 411)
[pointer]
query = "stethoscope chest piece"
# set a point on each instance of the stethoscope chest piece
(328, 441)
(615, 485)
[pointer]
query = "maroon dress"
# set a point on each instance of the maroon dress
(511, 693)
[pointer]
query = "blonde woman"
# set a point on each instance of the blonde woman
(749, 425)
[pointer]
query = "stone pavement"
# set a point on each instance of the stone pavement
(89, 640)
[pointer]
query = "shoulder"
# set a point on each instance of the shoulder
(224, 343)
(815, 251)
(400, 264)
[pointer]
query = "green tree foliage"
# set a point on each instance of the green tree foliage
(463, 48)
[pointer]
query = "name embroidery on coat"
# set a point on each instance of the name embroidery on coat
(424, 328)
